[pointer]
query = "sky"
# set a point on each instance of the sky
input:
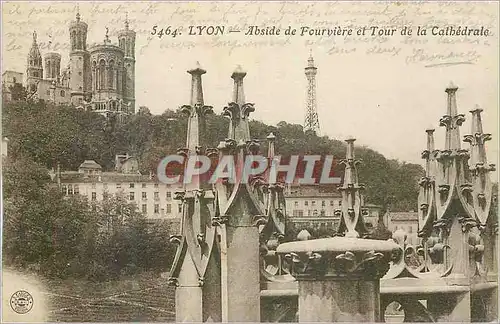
(384, 91)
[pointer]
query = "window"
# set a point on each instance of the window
(323, 203)
(309, 212)
(144, 185)
(313, 204)
(315, 213)
(156, 185)
(132, 185)
(410, 229)
(118, 185)
(144, 208)
(300, 213)
(144, 195)
(70, 189)
(48, 92)
(80, 73)
(77, 190)
(340, 203)
(331, 202)
(179, 206)
(169, 195)
(105, 195)
(62, 93)
(94, 196)
(132, 196)
(64, 190)
(169, 208)
(93, 185)
(306, 203)
(156, 195)
(157, 208)
(296, 204)
(322, 212)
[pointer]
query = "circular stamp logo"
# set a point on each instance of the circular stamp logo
(21, 302)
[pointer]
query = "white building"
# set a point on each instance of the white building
(153, 198)
(408, 222)
(314, 206)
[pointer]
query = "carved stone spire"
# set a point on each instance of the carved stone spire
(429, 152)
(106, 37)
(352, 198)
(198, 236)
(196, 112)
(77, 12)
(126, 21)
(238, 110)
(426, 194)
(238, 92)
(482, 193)
(452, 120)
(34, 60)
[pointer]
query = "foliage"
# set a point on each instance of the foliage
(70, 237)
(17, 92)
(50, 134)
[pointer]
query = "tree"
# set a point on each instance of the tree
(17, 92)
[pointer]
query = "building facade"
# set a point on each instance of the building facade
(99, 78)
(9, 80)
(313, 206)
(406, 221)
(153, 198)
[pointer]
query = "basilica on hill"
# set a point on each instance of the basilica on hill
(100, 78)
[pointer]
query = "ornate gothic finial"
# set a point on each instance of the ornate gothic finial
(34, 37)
(126, 20)
(428, 152)
(452, 120)
(196, 85)
(77, 12)
(349, 175)
(106, 37)
(352, 198)
(238, 110)
(479, 167)
(238, 93)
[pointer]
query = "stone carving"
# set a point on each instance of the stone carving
(325, 259)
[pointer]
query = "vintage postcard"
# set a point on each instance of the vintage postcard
(242, 161)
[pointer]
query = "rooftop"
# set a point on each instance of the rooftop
(90, 164)
(403, 216)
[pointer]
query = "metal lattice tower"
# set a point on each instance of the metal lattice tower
(311, 120)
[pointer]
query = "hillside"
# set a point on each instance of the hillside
(49, 134)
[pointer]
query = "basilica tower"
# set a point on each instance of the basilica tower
(79, 61)
(52, 66)
(34, 71)
(126, 41)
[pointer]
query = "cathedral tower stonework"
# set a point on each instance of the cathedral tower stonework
(126, 41)
(79, 61)
(34, 70)
(100, 78)
(52, 66)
